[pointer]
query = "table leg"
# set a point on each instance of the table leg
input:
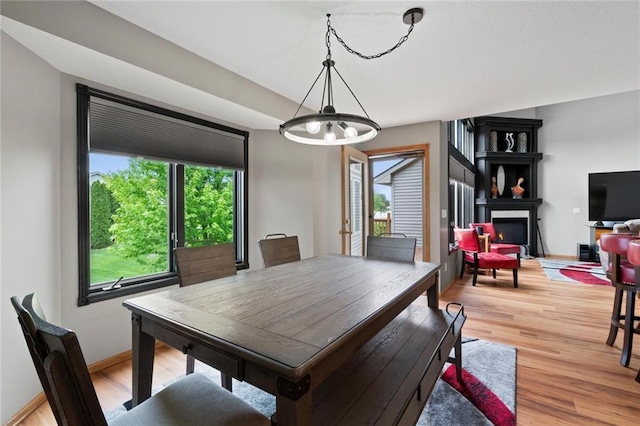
(432, 293)
(143, 351)
(293, 402)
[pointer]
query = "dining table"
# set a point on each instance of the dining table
(284, 329)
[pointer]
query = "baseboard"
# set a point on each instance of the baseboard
(41, 398)
(561, 256)
(27, 410)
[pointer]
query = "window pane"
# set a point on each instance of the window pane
(208, 205)
(128, 217)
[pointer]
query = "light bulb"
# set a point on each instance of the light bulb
(350, 132)
(329, 135)
(313, 127)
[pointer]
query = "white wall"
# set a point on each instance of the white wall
(577, 138)
(30, 182)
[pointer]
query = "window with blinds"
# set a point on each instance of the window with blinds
(461, 176)
(151, 180)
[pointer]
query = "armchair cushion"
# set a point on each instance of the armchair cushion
(631, 226)
(492, 260)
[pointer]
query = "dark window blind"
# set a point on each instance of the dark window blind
(115, 127)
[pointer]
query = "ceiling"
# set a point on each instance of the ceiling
(464, 59)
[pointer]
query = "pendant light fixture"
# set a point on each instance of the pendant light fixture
(329, 127)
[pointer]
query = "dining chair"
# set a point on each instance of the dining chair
(472, 255)
(494, 241)
(633, 254)
(199, 264)
(621, 273)
(277, 249)
(63, 373)
(392, 246)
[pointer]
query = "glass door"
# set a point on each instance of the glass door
(355, 211)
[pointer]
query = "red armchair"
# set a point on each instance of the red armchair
(623, 278)
(496, 246)
(472, 255)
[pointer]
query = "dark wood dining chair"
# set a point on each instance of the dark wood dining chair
(392, 246)
(621, 273)
(200, 264)
(63, 373)
(277, 249)
(633, 254)
(472, 255)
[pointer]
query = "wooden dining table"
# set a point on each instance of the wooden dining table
(283, 329)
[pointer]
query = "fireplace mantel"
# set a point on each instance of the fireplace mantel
(509, 204)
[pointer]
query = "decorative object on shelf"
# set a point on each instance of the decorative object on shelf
(493, 141)
(522, 142)
(510, 142)
(518, 190)
(329, 127)
(500, 180)
(494, 188)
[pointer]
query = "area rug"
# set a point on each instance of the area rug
(487, 397)
(574, 271)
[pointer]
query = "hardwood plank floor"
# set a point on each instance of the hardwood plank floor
(566, 374)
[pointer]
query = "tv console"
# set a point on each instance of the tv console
(597, 231)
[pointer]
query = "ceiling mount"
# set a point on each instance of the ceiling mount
(413, 16)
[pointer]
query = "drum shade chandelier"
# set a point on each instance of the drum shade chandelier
(329, 127)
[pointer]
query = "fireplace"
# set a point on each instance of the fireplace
(511, 230)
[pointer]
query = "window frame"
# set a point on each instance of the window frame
(87, 293)
(462, 151)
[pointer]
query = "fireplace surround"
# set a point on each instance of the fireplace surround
(511, 230)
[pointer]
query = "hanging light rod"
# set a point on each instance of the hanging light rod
(328, 127)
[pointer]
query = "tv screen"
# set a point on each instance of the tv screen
(614, 196)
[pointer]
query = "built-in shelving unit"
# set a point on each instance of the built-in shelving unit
(492, 160)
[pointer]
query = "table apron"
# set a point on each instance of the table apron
(219, 359)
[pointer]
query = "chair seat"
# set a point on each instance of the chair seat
(628, 272)
(504, 248)
(181, 404)
(493, 260)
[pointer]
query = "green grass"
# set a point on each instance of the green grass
(107, 265)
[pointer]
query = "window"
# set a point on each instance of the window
(461, 176)
(150, 180)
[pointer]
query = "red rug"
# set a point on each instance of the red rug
(487, 394)
(574, 271)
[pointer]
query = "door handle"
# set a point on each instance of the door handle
(342, 232)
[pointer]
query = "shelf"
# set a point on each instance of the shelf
(508, 156)
(509, 203)
(492, 161)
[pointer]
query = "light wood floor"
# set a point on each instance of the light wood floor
(566, 374)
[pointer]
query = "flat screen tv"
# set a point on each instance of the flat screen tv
(614, 196)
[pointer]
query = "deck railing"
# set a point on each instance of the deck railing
(382, 225)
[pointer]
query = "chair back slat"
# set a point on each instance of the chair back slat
(61, 367)
(199, 264)
(468, 240)
(276, 251)
(391, 248)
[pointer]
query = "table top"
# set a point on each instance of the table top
(288, 317)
